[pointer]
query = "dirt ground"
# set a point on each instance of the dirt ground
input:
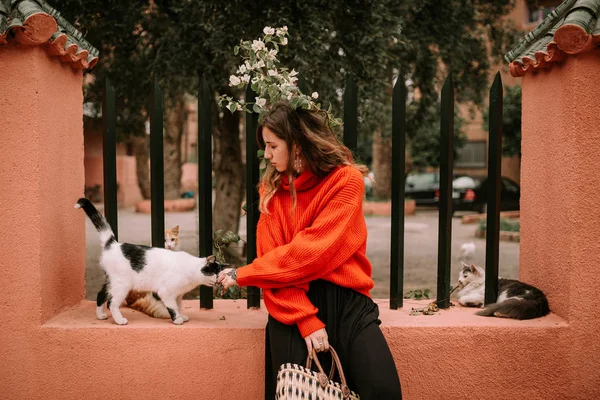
(420, 259)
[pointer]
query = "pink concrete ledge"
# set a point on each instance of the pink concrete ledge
(226, 314)
(456, 316)
(219, 354)
(231, 314)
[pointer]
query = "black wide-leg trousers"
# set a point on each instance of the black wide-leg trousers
(352, 324)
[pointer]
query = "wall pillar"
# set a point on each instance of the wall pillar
(560, 210)
(41, 176)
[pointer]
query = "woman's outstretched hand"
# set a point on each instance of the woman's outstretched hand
(317, 340)
(226, 278)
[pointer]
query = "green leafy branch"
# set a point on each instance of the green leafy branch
(271, 82)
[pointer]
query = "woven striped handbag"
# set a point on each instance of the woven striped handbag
(295, 382)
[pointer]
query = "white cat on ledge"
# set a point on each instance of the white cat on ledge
(168, 274)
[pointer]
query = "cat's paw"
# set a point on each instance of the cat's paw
(178, 321)
(100, 314)
(185, 318)
(121, 321)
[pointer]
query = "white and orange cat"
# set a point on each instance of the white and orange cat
(148, 302)
(166, 274)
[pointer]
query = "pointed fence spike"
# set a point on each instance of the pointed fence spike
(109, 156)
(351, 115)
(398, 178)
(157, 178)
(252, 198)
(445, 199)
(204, 147)
(494, 187)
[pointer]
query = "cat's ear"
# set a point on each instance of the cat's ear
(473, 269)
(175, 229)
(465, 266)
(211, 259)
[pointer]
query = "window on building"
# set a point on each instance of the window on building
(472, 155)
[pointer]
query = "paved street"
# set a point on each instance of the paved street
(420, 247)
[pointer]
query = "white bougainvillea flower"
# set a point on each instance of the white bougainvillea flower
(258, 45)
(269, 80)
(234, 80)
(260, 101)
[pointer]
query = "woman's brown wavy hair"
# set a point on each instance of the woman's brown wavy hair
(319, 146)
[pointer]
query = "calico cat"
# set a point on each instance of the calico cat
(148, 302)
(169, 274)
(172, 238)
(516, 299)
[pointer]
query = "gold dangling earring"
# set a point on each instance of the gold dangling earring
(297, 163)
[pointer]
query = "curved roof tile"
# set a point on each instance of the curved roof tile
(572, 28)
(34, 22)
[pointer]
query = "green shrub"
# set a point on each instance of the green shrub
(506, 224)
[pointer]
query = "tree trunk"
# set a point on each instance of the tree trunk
(174, 125)
(142, 157)
(230, 177)
(382, 165)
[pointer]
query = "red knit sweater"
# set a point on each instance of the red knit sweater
(324, 237)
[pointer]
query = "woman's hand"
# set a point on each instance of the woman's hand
(227, 278)
(317, 340)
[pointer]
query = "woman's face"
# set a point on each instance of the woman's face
(276, 150)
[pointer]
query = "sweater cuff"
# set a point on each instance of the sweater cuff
(308, 325)
(242, 276)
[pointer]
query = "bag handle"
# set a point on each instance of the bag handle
(309, 365)
(321, 375)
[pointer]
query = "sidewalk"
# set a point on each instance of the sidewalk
(420, 270)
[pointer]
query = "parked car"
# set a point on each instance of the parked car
(422, 187)
(470, 194)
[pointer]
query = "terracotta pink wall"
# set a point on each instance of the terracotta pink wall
(41, 178)
(560, 215)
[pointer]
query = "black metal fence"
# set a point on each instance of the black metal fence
(350, 139)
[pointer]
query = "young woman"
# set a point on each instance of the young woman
(311, 264)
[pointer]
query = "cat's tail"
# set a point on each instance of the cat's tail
(517, 309)
(106, 234)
